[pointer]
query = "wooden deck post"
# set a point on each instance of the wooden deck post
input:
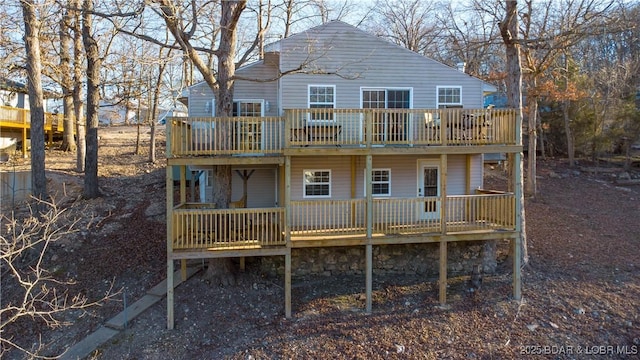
(443, 193)
(517, 242)
(24, 133)
(443, 243)
(287, 234)
(369, 246)
(169, 189)
(442, 282)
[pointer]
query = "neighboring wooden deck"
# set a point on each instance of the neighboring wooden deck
(20, 120)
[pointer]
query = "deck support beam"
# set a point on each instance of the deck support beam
(287, 284)
(368, 246)
(287, 235)
(517, 241)
(169, 189)
(442, 282)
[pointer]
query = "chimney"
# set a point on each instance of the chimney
(461, 66)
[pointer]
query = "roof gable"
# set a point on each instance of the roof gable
(324, 43)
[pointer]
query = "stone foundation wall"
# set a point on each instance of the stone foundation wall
(415, 259)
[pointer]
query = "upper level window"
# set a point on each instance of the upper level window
(317, 183)
(247, 108)
(322, 97)
(449, 97)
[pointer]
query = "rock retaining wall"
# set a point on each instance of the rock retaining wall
(415, 259)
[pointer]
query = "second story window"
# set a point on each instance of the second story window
(252, 108)
(317, 183)
(322, 97)
(449, 97)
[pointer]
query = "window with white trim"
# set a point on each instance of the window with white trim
(317, 183)
(248, 108)
(322, 97)
(449, 97)
(380, 182)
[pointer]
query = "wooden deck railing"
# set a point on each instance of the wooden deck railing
(201, 226)
(338, 217)
(480, 212)
(405, 216)
(21, 118)
(224, 136)
(341, 127)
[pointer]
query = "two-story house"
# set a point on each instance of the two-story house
(340, 139)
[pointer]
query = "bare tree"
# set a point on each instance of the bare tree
(31, 294)
(509, 33)
(66, 79)
(91, 189)
(36, 98)
(409, 23)
(78, 81)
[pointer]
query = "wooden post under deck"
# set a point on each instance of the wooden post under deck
(443, 243)
(183, 199)
(369, 246)
(517, 242)
(169, 189)
(287, 234)
(24, 134)
(442, 282)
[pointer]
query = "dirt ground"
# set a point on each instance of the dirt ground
(581, 291)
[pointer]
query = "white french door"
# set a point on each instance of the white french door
(389, 127)
(429, 188)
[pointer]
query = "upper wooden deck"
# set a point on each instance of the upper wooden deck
(347, 131)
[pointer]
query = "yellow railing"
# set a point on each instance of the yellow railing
(201, 226)
(22, 118)
(341, 127)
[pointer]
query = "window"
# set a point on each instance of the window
(380, 182)
(322, 97)
(247, 108)
(449, 97)
(317, 183)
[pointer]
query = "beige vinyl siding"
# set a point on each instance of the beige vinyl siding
(404, 174)
(340, 167)
(200, 93)
(366, 61)
(261, 188)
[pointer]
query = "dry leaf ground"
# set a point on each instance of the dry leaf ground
(581, 292)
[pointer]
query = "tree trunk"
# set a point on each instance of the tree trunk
(532, 100)
(218, 270)
(567, 130)
(66, 44)
(36, 99)
(509, 32)
(78, 69)
(91, 189)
